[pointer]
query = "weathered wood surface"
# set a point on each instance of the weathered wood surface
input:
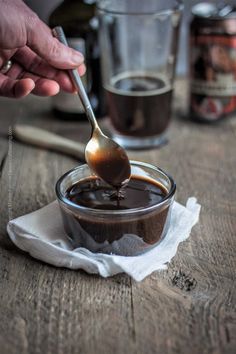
(190, 308)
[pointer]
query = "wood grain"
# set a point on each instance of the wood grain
(190, 308)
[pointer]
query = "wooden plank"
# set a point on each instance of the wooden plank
(190, 308)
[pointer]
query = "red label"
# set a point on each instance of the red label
(229, 41)
(213, 75)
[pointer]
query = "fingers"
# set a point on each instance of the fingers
(34, 64)
(15, 88)
(23, 87)
(19, 82)
(41, 40)
(43, 86)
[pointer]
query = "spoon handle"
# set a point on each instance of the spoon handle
(60, 35)
(44, 139)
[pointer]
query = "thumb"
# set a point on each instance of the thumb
(42, 42)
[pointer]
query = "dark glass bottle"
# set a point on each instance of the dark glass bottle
(77, 17)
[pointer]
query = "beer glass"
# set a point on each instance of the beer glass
(139, 41)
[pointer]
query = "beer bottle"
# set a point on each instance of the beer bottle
(77, 17)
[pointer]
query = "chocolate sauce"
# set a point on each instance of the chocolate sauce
(129, 228)
(138, 193)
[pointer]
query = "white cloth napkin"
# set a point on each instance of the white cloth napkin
(41, 234)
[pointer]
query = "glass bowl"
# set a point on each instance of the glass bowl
(126, 232)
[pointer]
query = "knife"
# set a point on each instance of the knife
(44, 139)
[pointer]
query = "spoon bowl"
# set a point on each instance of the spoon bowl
(107, 159)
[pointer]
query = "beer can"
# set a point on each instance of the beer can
(212, 62)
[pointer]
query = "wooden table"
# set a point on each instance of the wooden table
(190, 308)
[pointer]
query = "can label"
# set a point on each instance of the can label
(67, 102)
(213, 75)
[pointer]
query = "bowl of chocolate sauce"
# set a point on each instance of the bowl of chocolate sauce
(125, 222)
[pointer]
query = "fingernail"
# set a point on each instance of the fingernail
(77, 57)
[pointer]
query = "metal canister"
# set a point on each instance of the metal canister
(212, 62)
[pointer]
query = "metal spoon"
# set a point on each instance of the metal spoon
(104, 156)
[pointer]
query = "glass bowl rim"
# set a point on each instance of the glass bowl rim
(121, 212)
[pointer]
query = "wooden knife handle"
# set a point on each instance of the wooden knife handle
(44, 139)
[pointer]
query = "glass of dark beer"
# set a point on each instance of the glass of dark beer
(139, 41)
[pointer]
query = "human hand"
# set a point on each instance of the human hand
(38, 58)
